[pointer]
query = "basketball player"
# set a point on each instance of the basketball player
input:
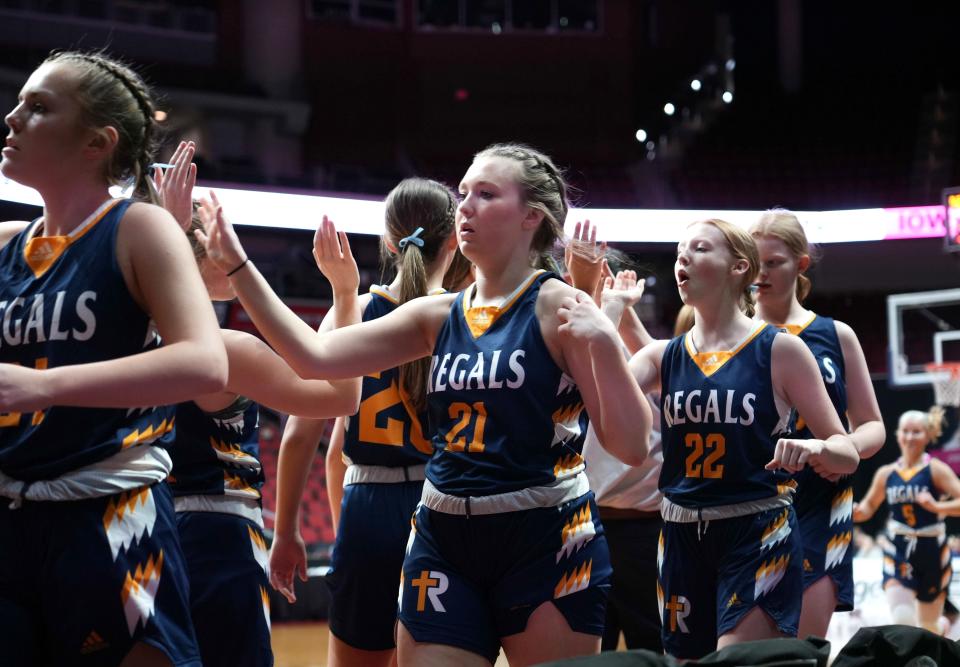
(917, 572)
(217, 475)
(730, 551)
(506, 547)
(384, 444)
(823, 506)
(91, 570)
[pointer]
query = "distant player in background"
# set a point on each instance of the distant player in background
(384, 444)
(91, 570)
(823, 505)
(917, 570)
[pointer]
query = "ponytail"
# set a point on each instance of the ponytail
(419, 220)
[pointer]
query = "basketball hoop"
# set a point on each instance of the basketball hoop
(946, 383)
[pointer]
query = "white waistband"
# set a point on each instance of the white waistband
(130, 468)
(679, 514)
(364, 474)
(530, 498)
(938, 529)
(245, 507)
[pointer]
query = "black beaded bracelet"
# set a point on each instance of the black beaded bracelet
(242, 264)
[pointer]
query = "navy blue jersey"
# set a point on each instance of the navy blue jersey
(820, 335)
(902, 488)
(66, 308)
(719, 423)
(503, 415)
(385, 431)
(217, 453)
(823, 505)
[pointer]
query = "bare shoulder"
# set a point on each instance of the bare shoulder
(10, 229)
(789, 348)
(883, 472)
(552, 292)
(940, 467)
(145, 228)
(845, 332)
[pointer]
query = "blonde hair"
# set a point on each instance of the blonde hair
(779, 223)
(543, 188)
(111, 94)
(933, 420)
(741, 246)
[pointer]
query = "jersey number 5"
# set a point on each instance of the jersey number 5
(707, 450)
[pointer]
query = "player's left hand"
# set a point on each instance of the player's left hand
(580, 319)
(792, 454)
(331, 250)
(23, 389)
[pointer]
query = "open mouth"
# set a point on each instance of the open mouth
(682, 278)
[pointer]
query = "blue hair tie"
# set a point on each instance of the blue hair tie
(412, 239)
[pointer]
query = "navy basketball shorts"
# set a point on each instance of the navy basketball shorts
(825, 513)
(467, 581)
(368, 560)
(82, 582)
(227, 563)
(712, 573)
(921, 564)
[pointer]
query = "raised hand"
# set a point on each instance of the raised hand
(624, 289)
(584, 257)
(792, 454)
(331, 250)
(288, 557)
(219, 238)
(175, 187)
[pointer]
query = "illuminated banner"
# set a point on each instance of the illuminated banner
(287, 210)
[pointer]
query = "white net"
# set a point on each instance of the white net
(946, 386)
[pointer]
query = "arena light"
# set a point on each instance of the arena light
(669, 109)
(727, 96)
(641, 135)
(695, 85)
(303, 210)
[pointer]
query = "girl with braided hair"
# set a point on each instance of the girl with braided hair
(383, 444)
(506, 548)
(91, 569)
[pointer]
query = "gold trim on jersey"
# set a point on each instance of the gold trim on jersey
(383, 290)
(480, 318)
(906, 474)
(42, 252)
(797, 329)
(710, 362)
